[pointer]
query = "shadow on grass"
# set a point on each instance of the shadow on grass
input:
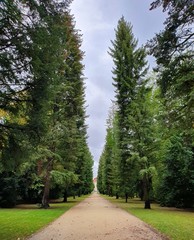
(53, 205)
(137, 204)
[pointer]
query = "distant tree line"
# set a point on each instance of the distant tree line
(149, 148)
(43, 134)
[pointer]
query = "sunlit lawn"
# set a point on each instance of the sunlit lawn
(24, 220)
(177, 224)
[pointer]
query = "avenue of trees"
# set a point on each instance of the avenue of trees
(149, 147)
(43, 135)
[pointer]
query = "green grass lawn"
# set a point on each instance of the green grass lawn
(22, 221)
(177, 224)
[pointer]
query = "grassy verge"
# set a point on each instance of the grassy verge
(177, 224)
(20, 222)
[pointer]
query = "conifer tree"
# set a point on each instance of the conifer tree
(108, 172)
(129, 68)
(173, 50)
(43, 93)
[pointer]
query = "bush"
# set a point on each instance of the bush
(176, 184)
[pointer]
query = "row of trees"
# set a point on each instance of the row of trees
(149, 149)
(43, 137)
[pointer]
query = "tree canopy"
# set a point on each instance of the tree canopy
(42, 122)
(154, 130)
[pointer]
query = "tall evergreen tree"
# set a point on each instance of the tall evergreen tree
(75, 103)
(100, 181)
(108, 172)
(42, 93)
(173, 50)
(129, 69)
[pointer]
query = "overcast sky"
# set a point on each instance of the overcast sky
(97, 19)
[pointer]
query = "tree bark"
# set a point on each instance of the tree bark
(45, 198)
(39, 167)
(126, 197)
(147, 204)
(65, 196)
(146, 189)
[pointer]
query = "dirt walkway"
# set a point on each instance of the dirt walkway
(97, 219)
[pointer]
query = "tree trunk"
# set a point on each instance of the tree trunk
(146, 193)
(39, 167)
(147, 204)
(117, 196)
(45, 197)
(79, 193)
(65, 196)
(126, 197)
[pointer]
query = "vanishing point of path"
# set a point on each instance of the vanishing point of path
(97, 219)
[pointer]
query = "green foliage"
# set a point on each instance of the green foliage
(176, 182)
(154, 137)
(173, 50)
(133, 136)
(108, 171)
(128, 73)
(63, 179)
(42, 97)
(30, 184)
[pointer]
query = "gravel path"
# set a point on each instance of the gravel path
(97, 219)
